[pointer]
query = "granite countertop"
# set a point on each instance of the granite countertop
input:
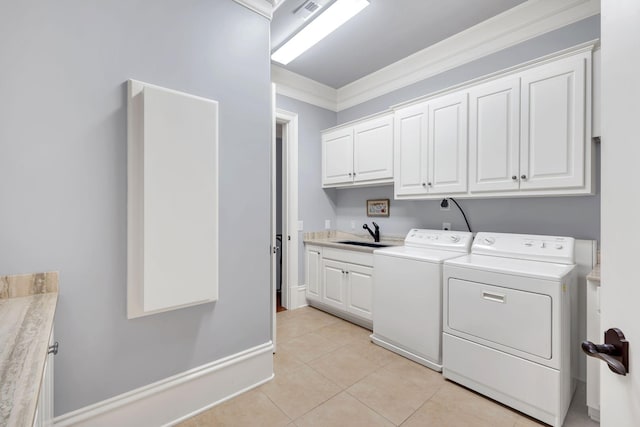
(331, 238)
(27, 307)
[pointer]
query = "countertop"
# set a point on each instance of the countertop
(331, 238)
(27, 307)
(594, 276)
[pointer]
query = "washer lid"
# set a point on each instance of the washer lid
(518, 267)
(420, 254)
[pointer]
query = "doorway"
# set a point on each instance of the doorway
(285, 201)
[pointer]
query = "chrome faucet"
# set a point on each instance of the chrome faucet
(376, 234)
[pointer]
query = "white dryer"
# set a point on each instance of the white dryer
(407, 293)
(507, 321)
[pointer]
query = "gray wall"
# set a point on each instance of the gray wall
(63, 181)
(576, 216)
(315, 205)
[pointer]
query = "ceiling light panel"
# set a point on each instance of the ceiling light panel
(335, 15)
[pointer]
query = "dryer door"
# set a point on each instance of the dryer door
(492, 315)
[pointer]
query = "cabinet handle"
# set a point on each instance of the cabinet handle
(346, 272)
(354, 174)
(523, 176)
(349, 173)
(424, 184)
(53, 349)
(429, 184)
(514, 177)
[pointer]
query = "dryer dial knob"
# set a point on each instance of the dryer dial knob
(559, 246)
(489, 240)
(454, 238)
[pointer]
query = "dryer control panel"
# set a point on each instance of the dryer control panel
(458, 241)
(532, 247)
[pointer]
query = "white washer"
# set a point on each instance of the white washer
(407, 293)
(507, 321)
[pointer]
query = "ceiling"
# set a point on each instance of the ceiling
(383, 33)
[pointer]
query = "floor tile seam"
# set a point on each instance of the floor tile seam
(372, 408)
(324, 354)
(329, 379)
(277, 406)
(319, 404)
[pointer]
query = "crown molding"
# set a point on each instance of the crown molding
(516, 25)
(262, 7)
(523, 22)
(303, 88)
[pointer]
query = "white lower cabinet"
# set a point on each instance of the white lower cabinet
(44, 410)
(312, 262)
(360, 286)
(340, 281)
(335, 282)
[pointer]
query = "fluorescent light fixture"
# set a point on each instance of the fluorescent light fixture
(336, 15)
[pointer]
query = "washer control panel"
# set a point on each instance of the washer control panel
(525, 246)
(459, 241)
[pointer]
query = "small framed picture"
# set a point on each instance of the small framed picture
(378, 207)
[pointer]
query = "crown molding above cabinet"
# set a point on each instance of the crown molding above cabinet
(261, 7)
(516, 25)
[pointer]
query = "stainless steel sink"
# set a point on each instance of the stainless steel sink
(367, 244)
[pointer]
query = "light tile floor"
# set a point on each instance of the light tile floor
(328, 373)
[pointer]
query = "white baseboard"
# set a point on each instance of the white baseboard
(181, 396)
(297, 297)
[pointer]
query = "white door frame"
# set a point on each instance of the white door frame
(290, 288)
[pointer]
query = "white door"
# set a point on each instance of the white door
(312, 272)
(620, 291)
(360, 288)
(337, 157)
(552, 142)
(334, 281)
(494, 135)
(447, 163)
(410, 166)
(373, 149)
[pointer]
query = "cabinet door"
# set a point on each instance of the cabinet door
(552, 150)
(410, 166)
(360, 291)
(312, 273)
(337, 157)
(494, 135)
(448, 144)
(334, 284)
(373, 149)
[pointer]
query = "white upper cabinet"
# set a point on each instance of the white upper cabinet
(447, 158)
(494, 135)
(373, 149)
(358, 154)
(529, 134)
(431, 147)
(411, 150)
(552, 150)
(337, 157)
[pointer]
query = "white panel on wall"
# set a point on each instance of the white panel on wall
(172, 200)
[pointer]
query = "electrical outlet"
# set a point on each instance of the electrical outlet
(353, 225)
(300, 225)
(327, 224)
(446, 226)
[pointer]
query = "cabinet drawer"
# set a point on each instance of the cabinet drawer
(516, 319)
(353, 257)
